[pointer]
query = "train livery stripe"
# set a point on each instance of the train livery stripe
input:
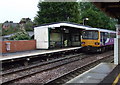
(116, 80)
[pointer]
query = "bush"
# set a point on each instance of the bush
(20, 36)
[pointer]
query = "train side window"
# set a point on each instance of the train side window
(113, 35)
(108, 35)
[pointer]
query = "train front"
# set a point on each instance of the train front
(90, 40)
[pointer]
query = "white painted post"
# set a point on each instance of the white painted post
(117, 46)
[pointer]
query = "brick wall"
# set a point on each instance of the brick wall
(15, 46)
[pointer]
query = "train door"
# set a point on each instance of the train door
(102, 38)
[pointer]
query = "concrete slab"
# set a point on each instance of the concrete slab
(94, 75)
(103, 68)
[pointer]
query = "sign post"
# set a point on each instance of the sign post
(117, 46)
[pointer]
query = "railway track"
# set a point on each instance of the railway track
(14, 75)
(21, 74)
(73, 73)
(35, 65)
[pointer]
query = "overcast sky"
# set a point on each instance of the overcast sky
(14, 10)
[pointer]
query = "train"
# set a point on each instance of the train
(97, 40)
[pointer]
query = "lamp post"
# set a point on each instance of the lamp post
(84, 20)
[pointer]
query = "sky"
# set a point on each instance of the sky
(15, 10)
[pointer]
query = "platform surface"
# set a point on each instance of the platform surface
(94, 76)
(16, 55)
(113, 78)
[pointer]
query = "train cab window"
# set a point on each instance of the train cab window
(90, 35)
(113, 35)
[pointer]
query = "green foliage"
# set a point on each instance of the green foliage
(73, 12)
(28, 24)
(56, 12)
(20, 36)
(96, 17)
(0, 29)
(10, 30)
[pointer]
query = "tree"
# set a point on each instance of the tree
(96, 17)
(56, 12)
(20, 36)
(10, 29)
(28, 24)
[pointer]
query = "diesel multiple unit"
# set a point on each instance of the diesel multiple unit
(96, 39)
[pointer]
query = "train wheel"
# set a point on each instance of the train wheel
(103, 49)
(99, 50)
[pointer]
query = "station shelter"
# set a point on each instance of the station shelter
(58, 35)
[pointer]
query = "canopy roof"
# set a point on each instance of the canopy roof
(60, 24)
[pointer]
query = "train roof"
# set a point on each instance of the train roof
(59, 24)
(101, 30)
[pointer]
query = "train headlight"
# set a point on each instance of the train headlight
(83, 42)
(97, 43)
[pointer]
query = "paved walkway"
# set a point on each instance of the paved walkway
(7, 56)
(113, 78)
(21, 53)
(97, 75)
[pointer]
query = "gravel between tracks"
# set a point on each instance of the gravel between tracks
(52, 74)
(26, 73)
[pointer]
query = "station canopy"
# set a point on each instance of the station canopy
(110, 8)
(64, 24)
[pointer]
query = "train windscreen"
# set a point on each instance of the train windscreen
(90, 35)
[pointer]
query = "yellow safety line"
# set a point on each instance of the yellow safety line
(116, 80)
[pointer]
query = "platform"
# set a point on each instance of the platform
(102, 74)
(113, 78)
(25, 54)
